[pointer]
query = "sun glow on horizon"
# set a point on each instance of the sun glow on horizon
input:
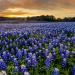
(19, 12)
(22, 12)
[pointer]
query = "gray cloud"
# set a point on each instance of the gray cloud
(37, 4)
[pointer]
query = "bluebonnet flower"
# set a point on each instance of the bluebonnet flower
(73, 39)
(39, 45)
(55, 42)
(35, 41)
(10, 40)
(31, 49)
(5, 57)
(24, 52)
(54, 54)
(64, 62)
(19, 54)
(35, 47)
(29, 41)
(31, 60)
(61, 51)
(29, 55)
(40, 53)
(29, 63)
(61, 46)
(48, 60)
(34, 63)
(15, 62)
(10, 45)
(12, 51)
(65, 47)
(62, 55)
(56, 72)
(8, 55)
(62, 37)
(46, 52)
(73, 70)
(3, 42)
(47, 63)
(7, 46)
(16, 50)
(16, 70)
(2, 65)
(26, 43)
(23, 68)
(12, 58)
(34, 60)
(66, 53)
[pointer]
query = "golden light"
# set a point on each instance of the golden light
(19, 12)
(22, 12)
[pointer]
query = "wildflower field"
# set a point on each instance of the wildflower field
(37, 48)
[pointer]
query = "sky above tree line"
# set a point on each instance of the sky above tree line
(24, 8)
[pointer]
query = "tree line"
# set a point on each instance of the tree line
(44, 18)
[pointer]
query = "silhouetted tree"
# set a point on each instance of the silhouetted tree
(42, 18)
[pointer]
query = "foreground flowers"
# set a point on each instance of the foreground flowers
(38, 49)
(73, 70)
(56, 71)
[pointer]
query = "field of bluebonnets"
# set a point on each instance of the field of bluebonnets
(37, 48)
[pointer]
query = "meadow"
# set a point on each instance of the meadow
(37, 48)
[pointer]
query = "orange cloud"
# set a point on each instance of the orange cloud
(59, 8)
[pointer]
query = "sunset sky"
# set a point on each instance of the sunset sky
(24, 8)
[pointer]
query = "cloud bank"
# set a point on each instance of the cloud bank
(45, 5)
